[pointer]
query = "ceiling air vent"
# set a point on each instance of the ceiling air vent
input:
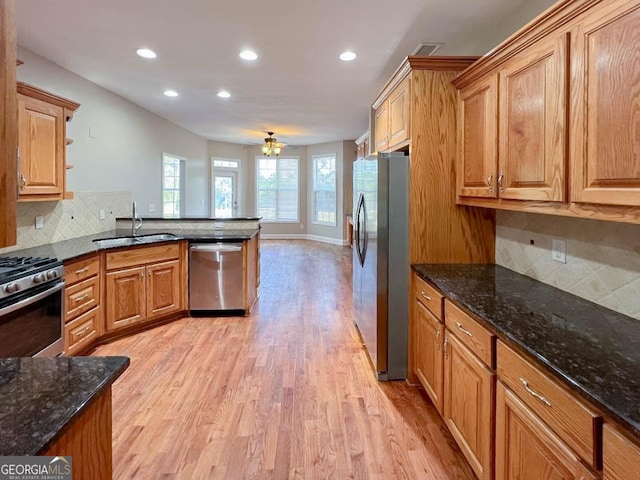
(426, 49)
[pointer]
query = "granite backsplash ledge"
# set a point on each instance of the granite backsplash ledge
(594, 350)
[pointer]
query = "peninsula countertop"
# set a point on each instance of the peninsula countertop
(77, 247)
(591, 349)
(39, 397)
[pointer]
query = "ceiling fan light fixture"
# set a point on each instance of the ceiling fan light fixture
(271, 146)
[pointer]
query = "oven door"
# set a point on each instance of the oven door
(31, 325)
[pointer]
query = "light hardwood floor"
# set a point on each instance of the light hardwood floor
(284, 393)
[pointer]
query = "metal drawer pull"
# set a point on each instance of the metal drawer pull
(438, 339)
(82, 270)
(490, 182)
(534, 393)
(85, 329)
(425, 295)
(464, 330)
(500, 177)
(446, 342)
(82, 297)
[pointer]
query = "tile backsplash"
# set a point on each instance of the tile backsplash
(603, 258)
(69, 218)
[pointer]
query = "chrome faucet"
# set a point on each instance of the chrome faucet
(134, 217)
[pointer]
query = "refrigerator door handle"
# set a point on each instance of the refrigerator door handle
(359, 211)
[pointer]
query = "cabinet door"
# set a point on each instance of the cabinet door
(428, 353)
(41, 141)
(527, 449)
(382, 126)
(163, 289)
(477, 139)
(8, 123)
(532, 129)
(620, 457)
(400, 113)
(469, 389)
(125, 298)
(605, 137)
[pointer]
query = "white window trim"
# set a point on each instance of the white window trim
(313, 190)
(263, 220)
(214, 169)
(183, 182)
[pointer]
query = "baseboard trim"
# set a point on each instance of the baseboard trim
(303, 236)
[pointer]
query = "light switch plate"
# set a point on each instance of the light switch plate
(39, 222)
(559, 250)
(102, 215)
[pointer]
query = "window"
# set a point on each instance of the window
(222, 163)
(324, 189)
(172, 185)
(278, 189)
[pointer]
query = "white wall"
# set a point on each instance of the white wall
(124, 151)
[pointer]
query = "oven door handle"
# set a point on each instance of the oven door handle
(31, 300)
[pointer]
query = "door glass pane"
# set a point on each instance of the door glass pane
(223, 197)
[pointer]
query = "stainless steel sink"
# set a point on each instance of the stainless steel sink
(128, 241)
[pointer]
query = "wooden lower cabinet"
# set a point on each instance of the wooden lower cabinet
(126, 298)
(620, 457)
(526, 449)
(428, 354)
(469, 393)
(82, 331)
(163, 289)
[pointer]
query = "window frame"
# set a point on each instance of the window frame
(314, 211)
(181, 187)
(281, 157)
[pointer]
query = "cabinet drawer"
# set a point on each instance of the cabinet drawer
(81, 297)
(428, 296)
(75, 272)
(81, 331)
(130, 257)
(479, 340)
(620, 457)
(574, 422)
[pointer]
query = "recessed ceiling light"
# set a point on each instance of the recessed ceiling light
(146, 53)
(347, 56)
(171, 93)
(224, 94)
(248, 55)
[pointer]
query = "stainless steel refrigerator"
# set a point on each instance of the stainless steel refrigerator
(381, 260)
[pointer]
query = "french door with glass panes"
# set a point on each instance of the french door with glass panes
(225, 194)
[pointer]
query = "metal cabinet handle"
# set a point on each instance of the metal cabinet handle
(82, 270)
(490, 183)
(23, 182)
(77, 334)
(438, 339)
(82, 297)
(464, 330)
(446, 342)
(533, 393)
(500, 178)
(424, 295)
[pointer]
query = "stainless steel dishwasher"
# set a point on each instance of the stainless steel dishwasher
(215, 276)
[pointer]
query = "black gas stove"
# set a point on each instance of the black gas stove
(20, 274)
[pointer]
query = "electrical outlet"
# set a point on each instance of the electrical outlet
(39, 222)
(152, 207)
(218, 225)
(102, 215)
(202, 201)
(559, 250)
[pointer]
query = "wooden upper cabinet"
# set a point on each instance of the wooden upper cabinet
(382, 127)
(477, 138)
(8, 123)
(532, 130)
(606, 113)
(527, 449)
(41, 128)
(42, 119)
(400, 113)
(163, 289)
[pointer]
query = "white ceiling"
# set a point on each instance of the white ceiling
(297, 88)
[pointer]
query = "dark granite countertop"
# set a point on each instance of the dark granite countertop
(594, 350)
(77, 247)
(194, 218)
(40, 396)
